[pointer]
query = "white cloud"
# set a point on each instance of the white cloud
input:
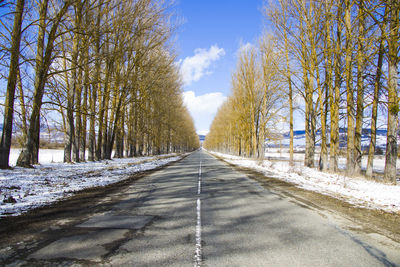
(207, 103)
(203, 132)
(195, 67)
(203, 108)
(244, 47)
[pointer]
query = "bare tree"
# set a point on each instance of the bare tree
(335, 96)
(393, 102)
(29, 153)
(361, 64)
(377, 91)
(5, 143)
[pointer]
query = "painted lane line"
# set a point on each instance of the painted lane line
(198, 254)
(199, 181)
(200, 169)
(198, 235)
(199, 188)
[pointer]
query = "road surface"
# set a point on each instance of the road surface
(199, 212)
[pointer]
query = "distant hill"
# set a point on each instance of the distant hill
(299, 137)
(202, 138)
(43, 127)
(52, 135)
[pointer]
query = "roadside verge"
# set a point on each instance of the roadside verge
(25, 189)
(369, 221)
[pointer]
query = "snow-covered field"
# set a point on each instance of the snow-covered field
(299, 139)
(283, 154)
(357, 191)
(48, 182)
(45, 156)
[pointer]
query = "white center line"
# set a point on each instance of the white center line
(199, 183)
(197, 257)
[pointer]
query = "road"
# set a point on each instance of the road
(199, 212)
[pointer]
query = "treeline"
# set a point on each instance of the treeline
(250, 114)
(342, 57)
(107, 68)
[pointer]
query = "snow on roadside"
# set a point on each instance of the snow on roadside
(357, 191)
(283, 154)
(30, 188)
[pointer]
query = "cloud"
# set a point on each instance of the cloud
(203, 132)
(207, 103)
(195, 67)
(203, 108)
(243, 48)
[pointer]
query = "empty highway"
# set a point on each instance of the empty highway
(196, 212)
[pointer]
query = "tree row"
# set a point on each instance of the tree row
(257, 103)
(342, 58)
(105, 70)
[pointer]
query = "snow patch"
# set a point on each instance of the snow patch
(48, 182)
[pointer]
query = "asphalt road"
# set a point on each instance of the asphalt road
(200, 212)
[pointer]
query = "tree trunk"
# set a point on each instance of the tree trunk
(99, 145)
(323, 162)
(25, 157)
(350, 165)
(22, 104)
(78, 117)
(5, 144)
(103, 116)
(131, 125)
(393, 104)
(36, 143)
(119, 141)
(289, 81)
(328, 69)
(72, 138)
(92, 121)
(360, 89)
(309, 126)
(83, 135)
(377, 89)
(335, 99)
(105, 152)
(101, 99)
(93, 150)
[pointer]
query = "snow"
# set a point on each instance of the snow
(49, 182)
(357, 191)
(283, 154)
(299, 139)
(45, 156)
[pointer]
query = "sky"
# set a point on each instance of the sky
(208, 40)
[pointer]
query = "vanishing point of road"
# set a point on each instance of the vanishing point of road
(196, 212)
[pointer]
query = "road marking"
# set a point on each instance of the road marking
(197, 257)
(200, 169)
(199, 182)
(198, 235)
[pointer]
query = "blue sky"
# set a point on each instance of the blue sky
(208, 40)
